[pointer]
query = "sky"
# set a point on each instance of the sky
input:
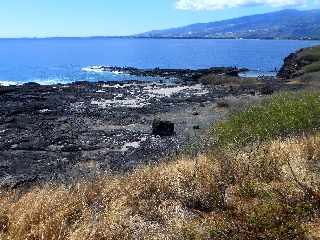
(50, 18)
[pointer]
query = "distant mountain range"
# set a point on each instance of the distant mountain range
(285, 24)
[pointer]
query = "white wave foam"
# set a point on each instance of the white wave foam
(96, 69)
(100, 69)
(50, 81)
(8, 83)
(117, 72)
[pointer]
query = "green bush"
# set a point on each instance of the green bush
(314, 67)
(311, 54)
(279, 115)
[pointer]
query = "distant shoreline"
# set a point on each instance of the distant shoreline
(133, 37)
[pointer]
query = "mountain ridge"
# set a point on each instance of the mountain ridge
(284, 24)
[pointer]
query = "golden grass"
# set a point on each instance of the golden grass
(259, 192)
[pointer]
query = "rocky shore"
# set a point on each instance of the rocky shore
(65, 132)
(75, 130)
(181, 74)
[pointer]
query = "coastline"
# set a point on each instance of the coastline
(68, 131)
(134, 37)
(58, 131)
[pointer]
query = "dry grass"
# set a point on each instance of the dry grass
(266, 192)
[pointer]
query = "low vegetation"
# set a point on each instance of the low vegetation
(270, 193)
(269, 189)
(308, 62)
(302, 68)
(314, 67)
(213, 80)
(311, 54)
(279, 115)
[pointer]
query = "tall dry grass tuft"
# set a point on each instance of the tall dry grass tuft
(294, 160)
(258, 193)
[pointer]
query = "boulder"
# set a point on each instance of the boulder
(267, 90)
(162, 128)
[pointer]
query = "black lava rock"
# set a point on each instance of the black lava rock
(162, 128)
(267, 90)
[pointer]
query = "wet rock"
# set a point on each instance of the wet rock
(162, 128)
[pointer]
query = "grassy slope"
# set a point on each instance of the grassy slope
(280, 115)
(310, 59)
(313, 56)
(186, 199)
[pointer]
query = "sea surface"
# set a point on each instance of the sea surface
(64, 60)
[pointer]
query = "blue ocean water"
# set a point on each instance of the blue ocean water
(63, 60)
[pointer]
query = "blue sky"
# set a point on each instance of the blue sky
(43, 18)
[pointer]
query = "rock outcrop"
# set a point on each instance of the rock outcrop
(292, 66)
(63, 132)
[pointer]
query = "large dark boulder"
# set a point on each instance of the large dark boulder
(267, 90)
(162, 128)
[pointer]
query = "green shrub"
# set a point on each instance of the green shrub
(311, 54)
(314, 67)
(279, 115)
(272, 220)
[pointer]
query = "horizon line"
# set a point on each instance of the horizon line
(148, 37)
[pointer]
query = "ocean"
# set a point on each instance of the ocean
(65, 60)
